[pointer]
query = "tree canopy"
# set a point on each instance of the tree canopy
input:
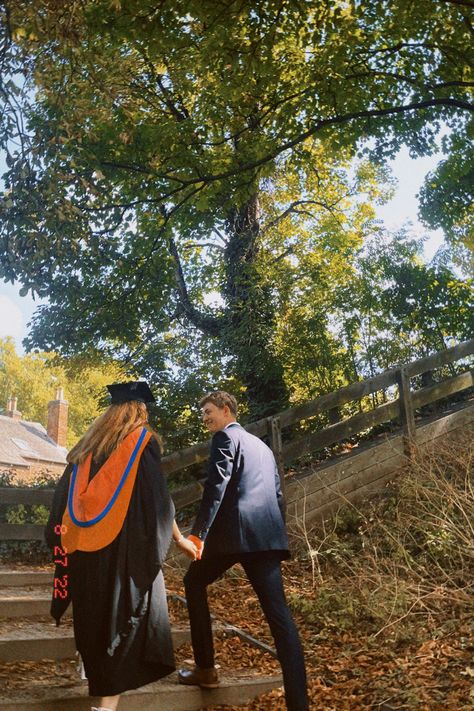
(156, 151)
(447, 196)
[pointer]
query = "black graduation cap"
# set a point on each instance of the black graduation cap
(133, 390)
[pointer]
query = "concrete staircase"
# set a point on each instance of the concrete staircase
(28, 634)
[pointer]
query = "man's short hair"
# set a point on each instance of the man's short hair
(220, 398)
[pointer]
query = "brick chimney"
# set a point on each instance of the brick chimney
(11, 410)
(57, 418)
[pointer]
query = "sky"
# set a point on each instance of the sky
(16, 311)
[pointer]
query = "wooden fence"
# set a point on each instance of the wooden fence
(317, 492)
(401, 405)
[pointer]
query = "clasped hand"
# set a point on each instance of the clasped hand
(188, 548)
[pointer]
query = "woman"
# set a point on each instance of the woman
(109, 529)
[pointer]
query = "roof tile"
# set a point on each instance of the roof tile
(39, 447)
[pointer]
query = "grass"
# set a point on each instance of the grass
(409, 553)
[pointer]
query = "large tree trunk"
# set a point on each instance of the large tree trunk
(248, 335)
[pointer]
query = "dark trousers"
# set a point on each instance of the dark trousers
(264, 573)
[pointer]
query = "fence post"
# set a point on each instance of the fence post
(274, 438)
(407, 414)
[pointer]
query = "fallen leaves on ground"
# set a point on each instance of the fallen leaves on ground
(348, 670)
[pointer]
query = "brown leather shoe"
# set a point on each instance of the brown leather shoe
(205, 678)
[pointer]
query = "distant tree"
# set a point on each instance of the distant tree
(447, 198)
(397, 308)
(34, 377)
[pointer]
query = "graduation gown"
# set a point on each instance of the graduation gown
(120, 613)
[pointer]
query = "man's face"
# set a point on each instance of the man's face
(215, 418)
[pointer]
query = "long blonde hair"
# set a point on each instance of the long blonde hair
(108, 430)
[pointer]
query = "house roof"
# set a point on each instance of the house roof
(23, 442)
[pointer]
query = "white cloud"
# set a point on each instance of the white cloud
(11, 319)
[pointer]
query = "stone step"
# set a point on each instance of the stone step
(27, 602)
(32, 640)
(235, 690)
(18, 578)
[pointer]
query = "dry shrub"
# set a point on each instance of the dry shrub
(409, 552)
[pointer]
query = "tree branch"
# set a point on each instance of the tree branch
(325, 123)
(211, 325)
(220, 235)
(179, 115)
(203, 180)
(212, 245)
(292, 208)
(283, 255)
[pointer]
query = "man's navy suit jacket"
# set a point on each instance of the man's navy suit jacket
(242, 505)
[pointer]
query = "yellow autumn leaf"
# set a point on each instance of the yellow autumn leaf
(19, 32)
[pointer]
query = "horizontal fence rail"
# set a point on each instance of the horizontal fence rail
(402, 408)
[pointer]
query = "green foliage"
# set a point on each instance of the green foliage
(25, 551)
(6, 478)
(396, 308)
(34, 377)
(160, 142)
(328, 608)
(37, 514)
(350, 312)
(446, 200)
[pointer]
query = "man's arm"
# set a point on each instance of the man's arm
(220, 469)
(280, 498)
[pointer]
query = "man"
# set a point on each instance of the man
(241, 520)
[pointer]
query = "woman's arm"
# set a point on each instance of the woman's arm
(183, 543)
